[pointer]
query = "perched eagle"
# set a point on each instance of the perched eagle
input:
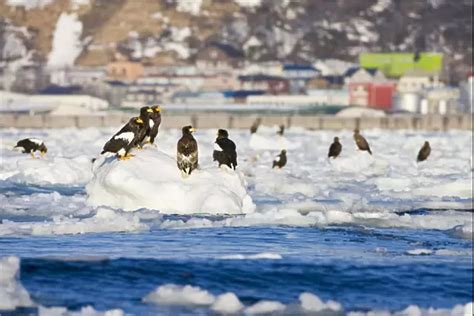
(335, 148)
(187, 155)
(424, 152)
(31, 145)
(361, 142)
(281, 161)
(224, 150)
(125, 139)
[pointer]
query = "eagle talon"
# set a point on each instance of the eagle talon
(126, 157)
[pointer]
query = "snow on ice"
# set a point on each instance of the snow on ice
(355, 189)
(152, 180)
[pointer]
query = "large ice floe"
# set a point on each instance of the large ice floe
(151, 180)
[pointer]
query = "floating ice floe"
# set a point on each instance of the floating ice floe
(51, 171)
(420, 252)
(312, 303)
(227, 303)
(172, 294)
(84, 311)
(152, 180)
(265, 307)
(359, 162)
(258, 256)
(309, 303)
(12, 293)
(105, 220)
(274, 142)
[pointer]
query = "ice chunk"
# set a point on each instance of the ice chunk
(360, 162)
(271, 142)
(152, 180)
(12, 293)
(263, 255)
(85, 311)
(414, 310)
(227, 303)
(105, 220)
(52, 171)
(457, 188)
(172, 294)
(419, 252)
(311, 302)
(265, 307)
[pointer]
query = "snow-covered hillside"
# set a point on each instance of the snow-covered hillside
(292, 31)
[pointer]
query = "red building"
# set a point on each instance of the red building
(374, 95)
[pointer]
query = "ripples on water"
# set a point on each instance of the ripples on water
(358, 267)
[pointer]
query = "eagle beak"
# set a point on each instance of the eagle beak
(139, 121)
(158, 109)
(42, 153)
(149, 110)
(192, 129)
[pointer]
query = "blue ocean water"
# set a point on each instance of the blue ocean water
(362, 268)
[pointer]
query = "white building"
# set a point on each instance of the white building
(331, 96)
(81, 76)
(426, 94)
(362, 75)
(410, 84)
(54, 104)
(317, 99)
(466, 98)
(441, 100)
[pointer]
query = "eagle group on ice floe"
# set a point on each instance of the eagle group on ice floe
(143, 129)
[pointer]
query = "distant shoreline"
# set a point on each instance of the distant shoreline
(244, 121)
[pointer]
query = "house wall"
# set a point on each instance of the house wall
(124, 70)
(381, 96)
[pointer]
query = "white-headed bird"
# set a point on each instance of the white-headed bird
(31, 145)
(125, 139)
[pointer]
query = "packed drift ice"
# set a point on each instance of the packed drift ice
(356, 187)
